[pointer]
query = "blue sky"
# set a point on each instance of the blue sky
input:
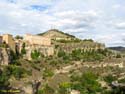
(101, 20)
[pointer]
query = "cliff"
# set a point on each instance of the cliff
(5, 57)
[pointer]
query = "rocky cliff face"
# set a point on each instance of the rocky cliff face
(45, 50)
(5, 57)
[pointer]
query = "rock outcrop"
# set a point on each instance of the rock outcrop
(5, 56)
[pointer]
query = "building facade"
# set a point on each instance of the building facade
(37, 40)
(39, 43)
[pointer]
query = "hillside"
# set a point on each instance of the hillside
(56, 34)
(75, 66)
(119, 48)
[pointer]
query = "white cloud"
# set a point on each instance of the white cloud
(120, 25)
(16, 20)
(117, 24)
(116, 6)
(75, 20)
(83, 18)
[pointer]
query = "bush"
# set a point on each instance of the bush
(61, 53)
(64, 87)
(16, 71)
(110, 78)
(118, 56)
(23, 50)
(19, 37)
(46, 90)
(4, 77)
(86, 83)
(48, 73)
(79, 54)
(35, 54)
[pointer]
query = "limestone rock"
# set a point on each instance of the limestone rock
(5, 57)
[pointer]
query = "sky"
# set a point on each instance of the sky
(100, 20)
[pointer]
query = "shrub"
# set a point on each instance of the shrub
(16, 71)
(48, 73)
(46, 90)
(109, 78)
(86, 83)
(61, 53)
(118, 56)
(35, 54)
(64, 88)
(23, 50)
(4, 77)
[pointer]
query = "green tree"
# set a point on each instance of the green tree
(86, 84)
(35, 54)
(118, 56)
(46, 90)
(48, 73)
(109, 78)
(23, 51)
(61, 53)
(4, 77)
(19, 37)
(64, 88)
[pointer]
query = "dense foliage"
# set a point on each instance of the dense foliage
(86, 83)
(79, 54)
(4, 76)
(35, 54)
(23, 50)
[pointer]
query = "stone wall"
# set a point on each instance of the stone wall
(8, 39)
(37, 40)
(86, 46)
(45, 50)
(41, 44)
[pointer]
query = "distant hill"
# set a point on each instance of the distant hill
(56, 34)
(119, 48)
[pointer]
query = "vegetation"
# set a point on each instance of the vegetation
(61, 53)
(68, 35)
(88, 40)
(69, 41)
(88, 55)
(86, 83)
(109, 78)
(18, 37)
(17, 72)
(3, 45)
(64, 88)
(4, 76)
(23, 51)
(46, 90)
(67, 70)
(35, 55)
(118, 56)
(48, 73)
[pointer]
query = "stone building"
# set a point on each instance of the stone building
(39, 43)
(37, 40)
(8, 39)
